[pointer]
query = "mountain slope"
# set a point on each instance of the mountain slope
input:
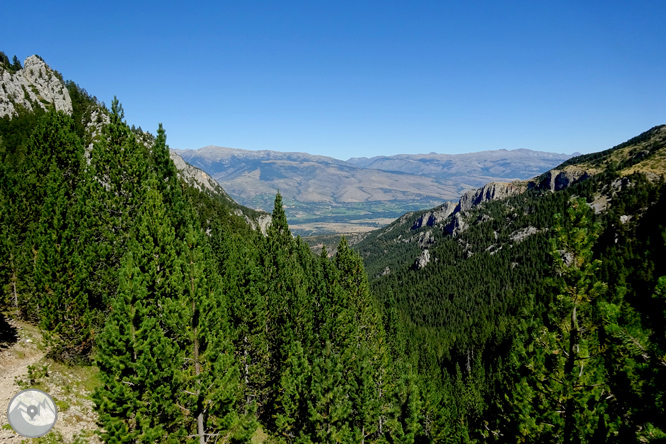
(198, 326)
(36, 88)
(471, 284)
(644, 154)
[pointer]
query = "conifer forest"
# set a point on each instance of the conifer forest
(205, 330)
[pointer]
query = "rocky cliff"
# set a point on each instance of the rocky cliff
(435, 216)
(35, 85)
(472, 198)
(196, 177)
(490, 191)
(556, 180)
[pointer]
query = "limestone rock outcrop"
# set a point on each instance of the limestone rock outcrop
(196, 177)
(261, 223)
(426, 238)
(422, 260)
(36, 85)
(520, 235)
(435, 216)
(451, 214)
(556, 180)
(456, 225)
(488, 192)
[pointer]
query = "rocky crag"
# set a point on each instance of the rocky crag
(35, 85)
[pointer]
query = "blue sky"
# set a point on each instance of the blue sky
(362, 78)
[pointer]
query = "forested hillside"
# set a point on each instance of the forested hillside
(537, 317)
(202, 328)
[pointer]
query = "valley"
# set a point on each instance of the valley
(326, 195)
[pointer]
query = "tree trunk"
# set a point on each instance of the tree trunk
(11, 259)
(246, 376)
(568, 369)
(197, 371)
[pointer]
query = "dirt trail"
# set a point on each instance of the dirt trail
(14, 362)
(66, 385)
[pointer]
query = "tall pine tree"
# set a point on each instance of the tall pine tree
(212, 380)
(139, 350)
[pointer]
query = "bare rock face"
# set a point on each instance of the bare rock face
(422, 260)
(435, 216)
(193, 175)
(520, 235)
(456, 225)
(426, 238)
(260, 224)
(263, 222)
(36, 85)
(557, 180)
(491, 191)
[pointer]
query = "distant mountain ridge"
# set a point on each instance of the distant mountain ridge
(321, 189)
(476, 168)
(304, 177)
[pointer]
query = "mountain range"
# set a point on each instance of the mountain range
(324, 194)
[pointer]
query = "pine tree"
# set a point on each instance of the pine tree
(60, 275)
(212, 379)
(241, 281)
(406, 427)
(281, 286)
(16, 64)
(139, 350)
(136, 401)
(52, 144)
(169, 185)
(119, 166)
(564, 394)
(363, 344)
(8, 240)
(329, 405)
(292, 418)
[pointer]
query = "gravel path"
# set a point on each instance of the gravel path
(76, 414)
(14, 362)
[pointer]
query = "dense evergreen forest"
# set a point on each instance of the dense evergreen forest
(201, 327)
(204, 330)
(543, 321)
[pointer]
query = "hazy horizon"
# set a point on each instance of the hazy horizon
(575, 153)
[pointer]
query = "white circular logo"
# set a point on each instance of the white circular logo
(32, 413)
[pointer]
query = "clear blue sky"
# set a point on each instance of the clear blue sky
(362, 78)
